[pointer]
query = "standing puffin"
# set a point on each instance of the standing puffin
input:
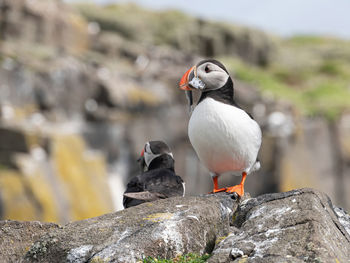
(225, 137)
(157, 179)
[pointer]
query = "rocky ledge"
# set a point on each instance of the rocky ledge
(296, 226)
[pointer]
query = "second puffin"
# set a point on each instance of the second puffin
(157, 180)
(225, 137)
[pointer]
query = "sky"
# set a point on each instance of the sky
(281, 17)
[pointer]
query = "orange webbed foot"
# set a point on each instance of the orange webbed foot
(239, 189)
(218, 190)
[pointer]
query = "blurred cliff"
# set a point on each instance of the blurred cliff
(83, 87)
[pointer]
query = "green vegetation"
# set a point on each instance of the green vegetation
(174, 29)
(189, 258)
(136, 23)
(311, 73)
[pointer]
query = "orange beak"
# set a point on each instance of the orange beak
(184, 80)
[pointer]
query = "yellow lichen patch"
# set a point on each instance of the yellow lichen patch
(96, 171)
(15, 199)
(17, 114)
(83, 177)
(35, 138)
(78, 38)
(219, 239)
(244, 259)
(32, 139)
(158, 217)
(99, 260)
(21, 113)
(43, 193)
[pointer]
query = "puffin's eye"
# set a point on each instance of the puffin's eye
(207, 69)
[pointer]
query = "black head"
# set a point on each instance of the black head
(212, 61)
(155, 153)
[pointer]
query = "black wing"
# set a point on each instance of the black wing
(154, 184)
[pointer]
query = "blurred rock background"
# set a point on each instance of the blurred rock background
(83, 87)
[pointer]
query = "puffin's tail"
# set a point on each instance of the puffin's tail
(256, 166)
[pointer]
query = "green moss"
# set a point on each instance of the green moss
(329, 98)
(330, 67)
(40, 248)
(320, 90)
(189, 258)
(4, 167)
(268, 82)
(308, 40)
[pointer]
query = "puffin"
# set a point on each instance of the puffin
(157, 180)
(225, 137)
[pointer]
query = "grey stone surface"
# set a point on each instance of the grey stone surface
(118, 93)
(296, 226)
(16, 237)
(163, 228)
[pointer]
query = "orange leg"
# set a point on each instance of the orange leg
(216, 188)
(239, 189)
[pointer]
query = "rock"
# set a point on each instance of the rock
(343, 139)
(116, 78)
(192, 35)
(299, 155)
(296, 226)
(16, 237)
(55, 177)
(164, 228)
(50, 22)
(344, 218)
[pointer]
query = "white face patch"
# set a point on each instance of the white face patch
(149, 156)
(212, 76)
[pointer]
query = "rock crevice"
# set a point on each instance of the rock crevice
(296, 226)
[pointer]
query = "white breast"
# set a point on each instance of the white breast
(224, 137)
